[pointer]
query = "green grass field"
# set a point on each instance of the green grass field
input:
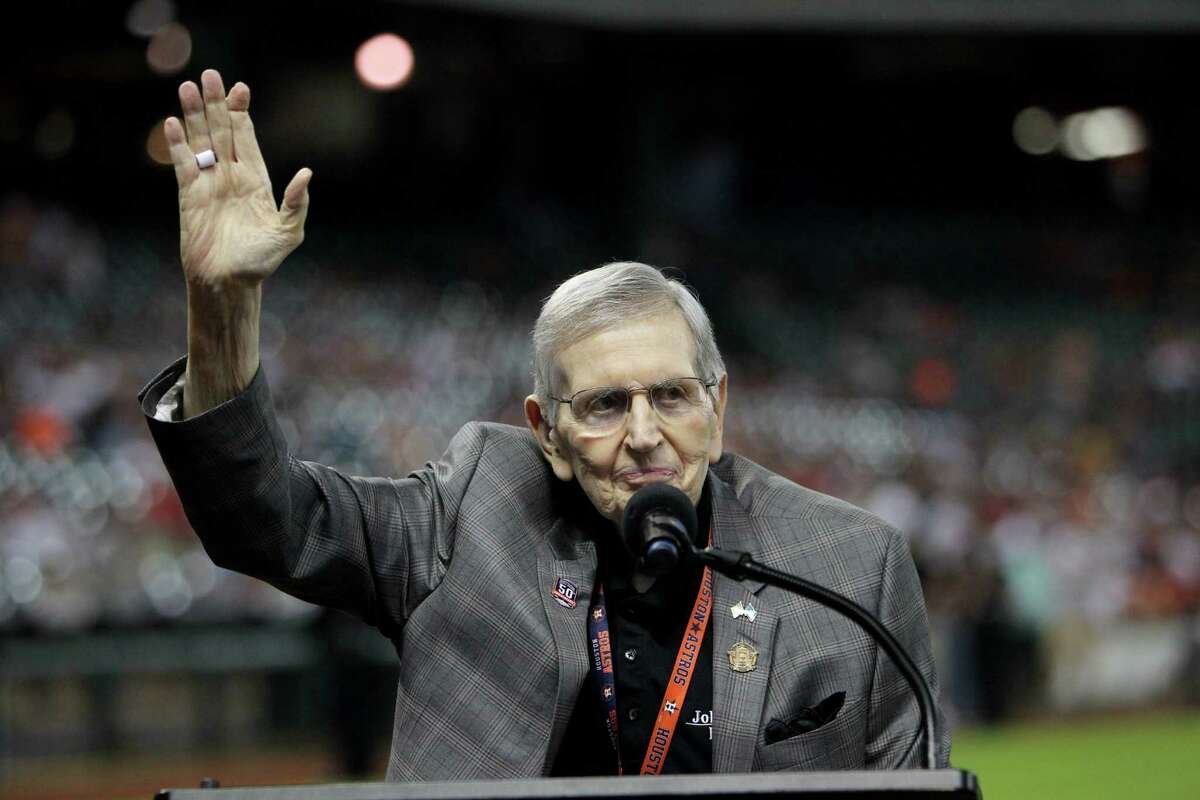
(1111, 757)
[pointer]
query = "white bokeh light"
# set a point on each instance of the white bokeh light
(1109, 132)
(1073, 144)
(1113, 133)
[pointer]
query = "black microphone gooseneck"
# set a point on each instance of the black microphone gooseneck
(660, 523)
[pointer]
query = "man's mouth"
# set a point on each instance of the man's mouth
(642, 475)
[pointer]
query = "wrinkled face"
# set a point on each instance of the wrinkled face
(646, 448)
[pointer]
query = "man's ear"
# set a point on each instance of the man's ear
(716, 444)
(549, 440)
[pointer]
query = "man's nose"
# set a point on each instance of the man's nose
(642, 433)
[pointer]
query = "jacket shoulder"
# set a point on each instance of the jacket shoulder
(498, 442)
(504, 465)
(767, 496)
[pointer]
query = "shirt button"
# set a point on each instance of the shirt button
(634, 713)
(631, 654)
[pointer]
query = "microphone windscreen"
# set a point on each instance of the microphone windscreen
(662, 498)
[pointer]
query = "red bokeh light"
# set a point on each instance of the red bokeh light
(384, 62)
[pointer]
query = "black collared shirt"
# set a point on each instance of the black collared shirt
(646, 630)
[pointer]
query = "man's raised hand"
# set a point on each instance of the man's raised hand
(230, 230)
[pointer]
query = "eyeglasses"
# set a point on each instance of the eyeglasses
(605, 407)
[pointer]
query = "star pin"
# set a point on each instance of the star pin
(743, 610)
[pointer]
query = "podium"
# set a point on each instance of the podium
(939, 784)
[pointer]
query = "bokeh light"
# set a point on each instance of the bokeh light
(1113, 133)
(170, 49)
(156, 144)
(1073, 145)
(1035, 130)
(384, 62)
(145, 17)
(1110, 132)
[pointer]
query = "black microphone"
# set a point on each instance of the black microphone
(659, 527)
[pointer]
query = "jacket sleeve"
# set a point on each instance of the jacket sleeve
(374, 547)
(894, 717)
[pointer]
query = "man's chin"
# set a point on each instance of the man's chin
(627, 489)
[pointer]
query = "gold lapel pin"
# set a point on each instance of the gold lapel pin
(743, 657)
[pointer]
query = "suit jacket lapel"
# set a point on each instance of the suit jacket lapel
(738, 696)
(566, 555)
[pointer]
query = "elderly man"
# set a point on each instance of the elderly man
(529, 641)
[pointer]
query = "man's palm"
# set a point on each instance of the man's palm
(230, 229)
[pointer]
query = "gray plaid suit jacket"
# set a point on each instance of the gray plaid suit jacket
(456, 562)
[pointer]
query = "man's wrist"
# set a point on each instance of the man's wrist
(223, 326)
(223, 294)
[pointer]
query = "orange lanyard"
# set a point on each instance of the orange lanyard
(677, 687)
(681, 679)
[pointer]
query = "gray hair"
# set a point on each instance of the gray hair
(603, 298)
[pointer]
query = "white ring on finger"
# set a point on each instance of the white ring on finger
(206, 158)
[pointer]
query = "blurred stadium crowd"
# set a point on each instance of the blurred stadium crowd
(1041, 459)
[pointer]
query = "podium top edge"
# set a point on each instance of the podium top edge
(950, 782)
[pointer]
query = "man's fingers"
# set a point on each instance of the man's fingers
(186, 169)
(217, 112)
(245, 143)
(295, 200)
(193, 116)
(239, 97)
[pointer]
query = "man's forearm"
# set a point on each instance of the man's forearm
(222, 344)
